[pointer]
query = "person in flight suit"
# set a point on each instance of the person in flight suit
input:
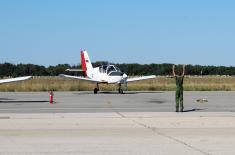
(179, 78)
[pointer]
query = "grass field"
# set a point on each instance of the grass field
(209, 83)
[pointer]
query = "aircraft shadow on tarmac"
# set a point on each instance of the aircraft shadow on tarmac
(6, 100)
(114, 92)
(157, 101)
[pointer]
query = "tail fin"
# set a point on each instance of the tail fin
(86, 64)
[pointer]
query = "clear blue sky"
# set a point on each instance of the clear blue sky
(49, 32)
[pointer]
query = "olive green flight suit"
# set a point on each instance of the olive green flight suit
(179, 93)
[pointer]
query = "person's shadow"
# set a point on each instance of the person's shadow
(193, 110)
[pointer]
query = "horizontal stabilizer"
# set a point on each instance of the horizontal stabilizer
(74, 70)
(15, 79)
(141, 78)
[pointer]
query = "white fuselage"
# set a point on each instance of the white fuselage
(107, 74)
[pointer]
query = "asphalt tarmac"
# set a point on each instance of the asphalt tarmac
(87, 102)
(135, 123)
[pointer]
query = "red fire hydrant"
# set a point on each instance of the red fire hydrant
(51, 97)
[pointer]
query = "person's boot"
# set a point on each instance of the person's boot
(177, 110)
(181, 110)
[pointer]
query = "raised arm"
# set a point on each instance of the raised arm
(173, 70)
(183, 70)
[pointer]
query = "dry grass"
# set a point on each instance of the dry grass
(209, 83)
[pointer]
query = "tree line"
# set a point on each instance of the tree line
(14, 70)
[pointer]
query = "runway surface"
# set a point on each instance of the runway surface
(87, 102)
(135, 123)
(118, 133)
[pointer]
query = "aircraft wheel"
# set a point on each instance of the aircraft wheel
(120, 91)
(96, 91)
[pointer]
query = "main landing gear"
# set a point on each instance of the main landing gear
(120, 90)
(96, 89)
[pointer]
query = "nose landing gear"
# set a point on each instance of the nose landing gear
(120, 90)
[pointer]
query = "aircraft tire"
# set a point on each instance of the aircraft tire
(120, 91)
(96, 91)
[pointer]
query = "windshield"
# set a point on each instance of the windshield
(111, 69)
(117, 69)
(108, 69)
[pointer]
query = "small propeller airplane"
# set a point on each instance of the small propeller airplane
(2, 81)
(105, 74)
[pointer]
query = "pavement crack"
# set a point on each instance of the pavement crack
(120, 114)
(155, 130)
(114, 110)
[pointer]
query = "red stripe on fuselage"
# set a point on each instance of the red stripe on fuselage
(83, 62)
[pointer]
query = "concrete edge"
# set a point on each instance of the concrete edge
(113, 115)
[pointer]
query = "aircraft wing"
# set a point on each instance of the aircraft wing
(78, 78)
(141, 78)
(15, 79)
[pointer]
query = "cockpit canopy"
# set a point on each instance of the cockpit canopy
(109, 68)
